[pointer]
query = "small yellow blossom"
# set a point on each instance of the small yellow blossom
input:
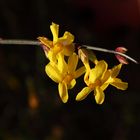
(64, 74)
(97, 79)
(94, 79)
(63, 44)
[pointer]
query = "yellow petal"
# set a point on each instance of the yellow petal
(72, 84)
(66, 39)
(45, 41)
(53, 73)
(72, 62)
(62, 66)
(86, 64)
(119, 84)
(104, 86)
(99, 95)
(105, 80)
(115, 70)
(63, 92)
(79, 72)
(98, 71)
(83, 94)
(52, 56)
(105, 77)
(57, 48)
(55, 31)
(86, 77)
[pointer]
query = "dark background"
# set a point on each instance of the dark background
(30, 107)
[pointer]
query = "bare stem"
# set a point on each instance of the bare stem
(110, 51)
(37, 43)
(19, 42)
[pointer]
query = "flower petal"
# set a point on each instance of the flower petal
(53, 73)
(45, 41)
(115, 70)
(119, 84)
(104, 86)
(99, 95)
(57, 48)
(72, 84)
(55, 31)
(66, 39)
(63, 92)
(98, 71)
(83, 93)
(52, 56)
(72, 62)
(62, 66)
(86, 77)
(106, 76)
(79, 72)
(105, 80)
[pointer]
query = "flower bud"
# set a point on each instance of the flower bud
(121, 59)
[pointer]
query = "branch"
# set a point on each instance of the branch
(37, 43)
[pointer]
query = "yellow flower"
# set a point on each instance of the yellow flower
(98, 79)
(94, 79)
(64, 74)
(63, 44)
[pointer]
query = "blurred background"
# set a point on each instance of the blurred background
(30, 107)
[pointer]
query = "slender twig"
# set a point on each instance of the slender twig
(110, 51)
(37, 43)
(19, 42)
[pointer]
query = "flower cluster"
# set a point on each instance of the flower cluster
(63, 67)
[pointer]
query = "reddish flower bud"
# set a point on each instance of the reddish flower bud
(121, 59)
(121, 49)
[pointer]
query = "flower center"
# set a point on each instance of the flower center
(68, 78)
(57, 48)
(97, 83)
